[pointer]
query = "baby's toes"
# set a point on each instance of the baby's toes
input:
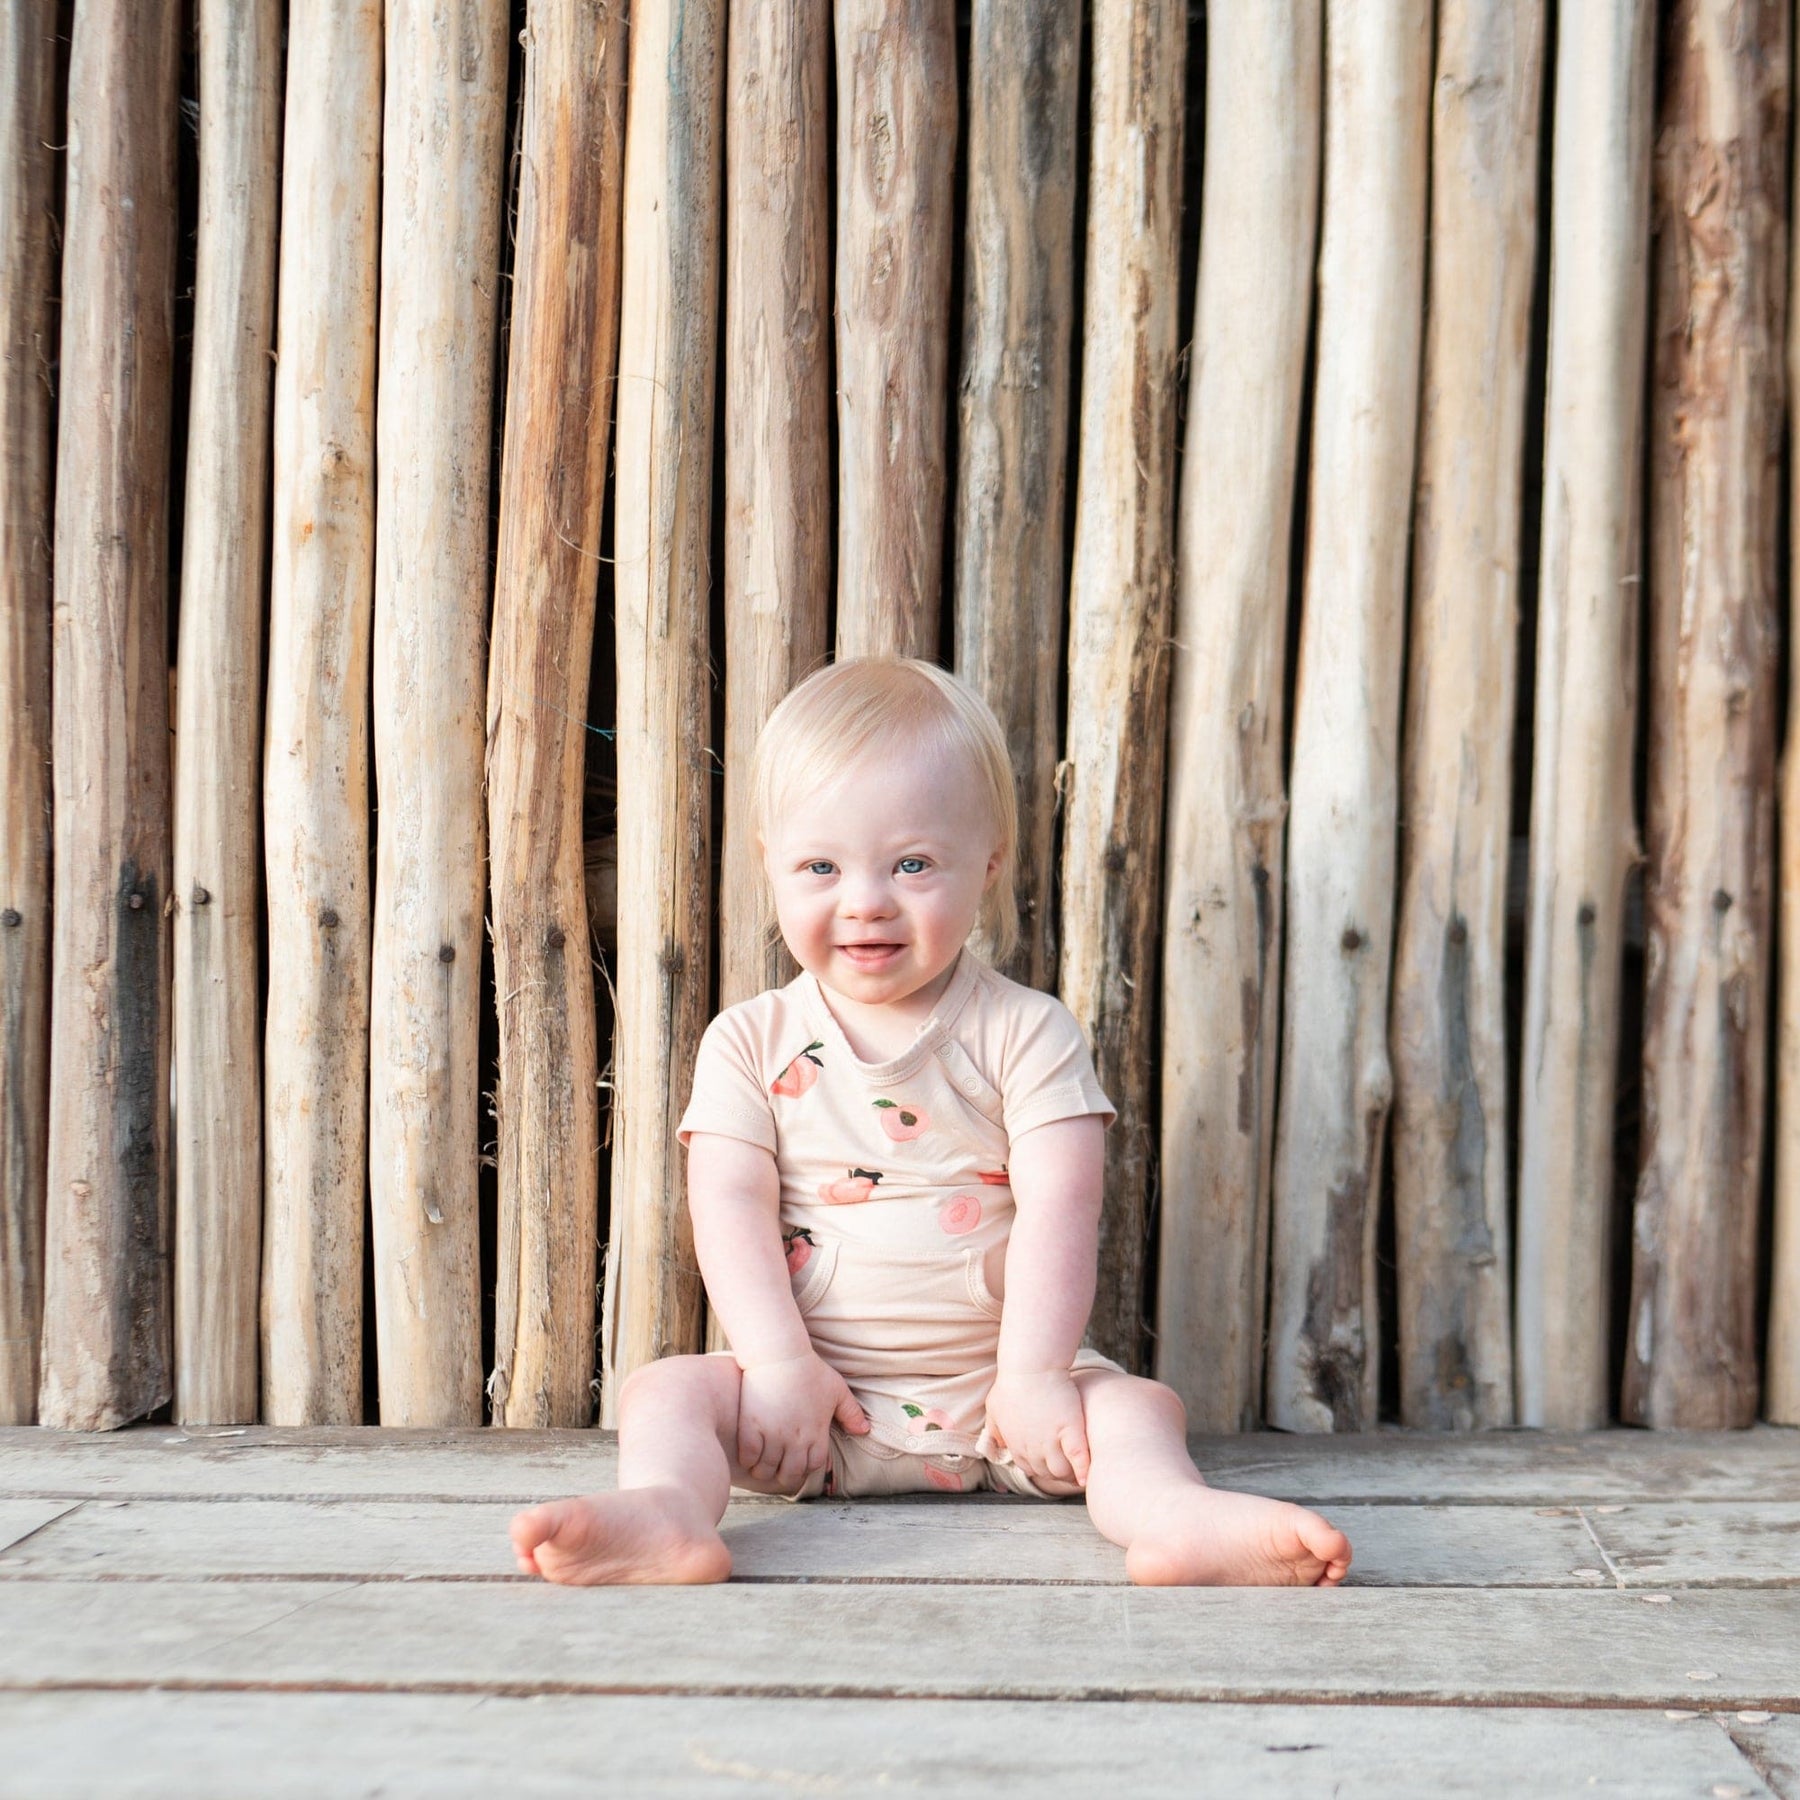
(1323, 1543)
(536, 1526)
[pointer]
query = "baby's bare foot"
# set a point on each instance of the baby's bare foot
(653, 1534)
(1212, 1537)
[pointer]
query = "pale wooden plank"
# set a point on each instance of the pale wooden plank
(1772, 1747)
(139, 1744)
(1542, 1468)
(20, 1518)
(912, 1540)
(1702, 1542)
(1520, 1647)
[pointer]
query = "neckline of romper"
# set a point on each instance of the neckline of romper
(932, 1033)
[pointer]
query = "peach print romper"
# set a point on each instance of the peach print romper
(895, 1207)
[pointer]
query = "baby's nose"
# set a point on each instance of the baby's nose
(867, 897)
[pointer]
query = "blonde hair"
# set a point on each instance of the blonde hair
(850, 710)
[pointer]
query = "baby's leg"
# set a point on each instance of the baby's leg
(677, 1418)
(1144, 1492)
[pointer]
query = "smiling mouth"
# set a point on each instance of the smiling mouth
(868, 952)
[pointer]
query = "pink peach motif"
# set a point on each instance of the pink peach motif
(799, 1247)
(960, 1215)
(801, 1073)
(902, 1123)
(856, 1186)
(926, 1418)
(942, 1478)
(994, 1177)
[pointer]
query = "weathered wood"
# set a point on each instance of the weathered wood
(902, 1540)
(778, 380)
(896, 161)
(300, 1744)
(1120, 593)
(1716, 430)
(20, 1519)
(1522, 1646)
(1335, 1077)
(1451, 1191)
(106, 1276)
(1535, 1468)
(1781, 1357)
(662, 507)
(1583, 832)
(445, 98)
(218, 736)
(564, 345)
(316, 761)
(1013, 408)
(1221, 949)
(28, 63)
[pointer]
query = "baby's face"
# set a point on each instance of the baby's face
(878, 877)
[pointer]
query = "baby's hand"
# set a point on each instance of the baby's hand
(1037, 1415)
(785, 1411)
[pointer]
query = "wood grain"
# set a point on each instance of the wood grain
(1227, 796)
(218, 734)
(563, 357)
(28, 326)
(106, 1350)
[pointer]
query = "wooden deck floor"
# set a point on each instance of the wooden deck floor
(334, 1612)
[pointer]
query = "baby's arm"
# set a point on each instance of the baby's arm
(1034, 1407)
(789, 1396)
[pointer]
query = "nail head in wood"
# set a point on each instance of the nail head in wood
(11, 917)
(446, 953)
(328, 918)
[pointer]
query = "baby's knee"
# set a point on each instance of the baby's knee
(1134, 1399)
(659, 1383)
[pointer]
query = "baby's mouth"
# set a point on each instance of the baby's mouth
(869, 953)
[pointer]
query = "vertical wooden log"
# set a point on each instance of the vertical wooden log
(565, 333)
(1018, 313)
(1119, 601)
(1227, 802)
(896, 112)
(1449, 1015)
(106, 1288)
(1335, 1076)
(1716, 425)
(445, 106)
(316, 756)
(777, 422)
(667, 346)
(28, 61)
(218, 878)
(1583, 831)
(1781, 1364)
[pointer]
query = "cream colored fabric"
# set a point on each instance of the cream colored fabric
(895, 1204)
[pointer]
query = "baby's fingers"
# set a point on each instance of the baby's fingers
(1075, 1448)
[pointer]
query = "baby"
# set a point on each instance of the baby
(895, 1173)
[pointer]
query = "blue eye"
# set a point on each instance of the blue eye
(918, 867)
(819, 868)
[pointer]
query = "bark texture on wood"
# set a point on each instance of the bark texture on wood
(1583, 834)
(1720, 186)
(1335, 1077)
(896, 132)
(445, 101)
(106, 1287)
(28, 64)
(565, 325)
(1449, 1012)
(1781, 1359)
(777, 423)
(316, 755)
(1227, 802)
(218, 791)
(1119, 601)
(667, 347)
(1018, 314)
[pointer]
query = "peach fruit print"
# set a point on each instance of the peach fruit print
(994, 1177)
(942, 1478)
(798, 1245)
(960, 1215)
(926, 1418)
(901, 1123)
(857, 1185)
(801, 1073)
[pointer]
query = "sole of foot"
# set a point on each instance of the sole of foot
(639, 1535)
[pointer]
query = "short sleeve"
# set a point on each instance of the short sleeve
(728, 1097)
(1048, 1073)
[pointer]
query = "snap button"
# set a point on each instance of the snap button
(970, 1084)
